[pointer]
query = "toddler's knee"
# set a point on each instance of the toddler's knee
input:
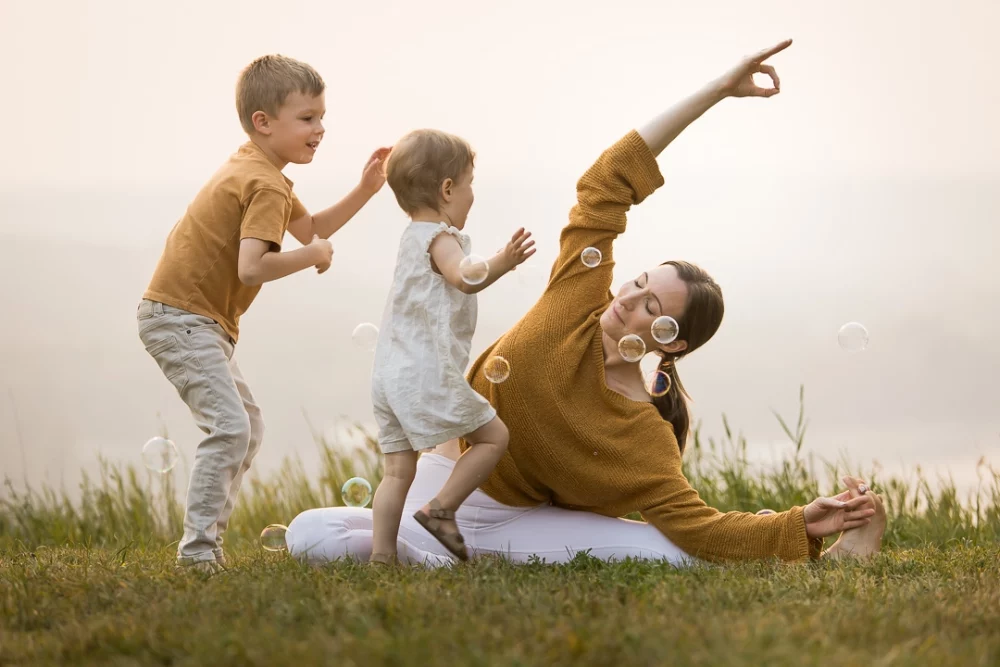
(503, 436)
(401, 466)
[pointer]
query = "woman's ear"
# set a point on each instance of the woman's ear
(674, 348)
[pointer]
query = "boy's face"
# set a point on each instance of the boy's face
(459, 198)
(296, 132)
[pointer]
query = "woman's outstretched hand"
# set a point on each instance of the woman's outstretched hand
(738, 82)
(829, 516)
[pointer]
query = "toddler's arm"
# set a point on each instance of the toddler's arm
(447, 255)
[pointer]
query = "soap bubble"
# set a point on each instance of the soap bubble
(356, 492)
(590, 257)
(853, 337)
(272, 538)
(474, 269)
(631, 348)
(159, 454)
(496, 370)
(665, 329)
(365, 336)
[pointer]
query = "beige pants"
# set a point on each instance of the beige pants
(196, 356)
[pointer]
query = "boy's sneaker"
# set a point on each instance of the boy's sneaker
(206, 567)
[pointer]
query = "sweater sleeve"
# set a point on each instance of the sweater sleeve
(666, 499)
(623, 176)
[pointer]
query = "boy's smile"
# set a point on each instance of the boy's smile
(294, 135)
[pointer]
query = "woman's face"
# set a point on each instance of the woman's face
(659, 291)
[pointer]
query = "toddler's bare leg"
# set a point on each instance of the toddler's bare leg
(488, 444)
(387, 508)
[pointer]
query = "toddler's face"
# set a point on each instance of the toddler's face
(297, 130)
(460, 202)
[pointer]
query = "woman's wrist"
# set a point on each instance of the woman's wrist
(716, 89)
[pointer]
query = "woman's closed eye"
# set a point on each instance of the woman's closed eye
(649, 308)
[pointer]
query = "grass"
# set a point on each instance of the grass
(92, 581)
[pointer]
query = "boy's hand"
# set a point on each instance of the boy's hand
(373, 175)
(322, 252)
(518, 249)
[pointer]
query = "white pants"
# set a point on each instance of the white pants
(517, 533)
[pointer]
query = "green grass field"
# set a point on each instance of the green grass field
(92, 581)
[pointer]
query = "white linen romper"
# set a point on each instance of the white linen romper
(419, 392)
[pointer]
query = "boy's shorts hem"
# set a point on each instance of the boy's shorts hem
(421, 442)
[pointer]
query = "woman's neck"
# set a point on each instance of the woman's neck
(622, 377)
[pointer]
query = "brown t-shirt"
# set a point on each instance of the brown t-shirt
(248, 197)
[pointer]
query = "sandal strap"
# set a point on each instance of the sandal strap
(437, 512)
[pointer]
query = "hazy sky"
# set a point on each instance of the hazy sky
(868, 190)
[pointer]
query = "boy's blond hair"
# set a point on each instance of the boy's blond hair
(420, 162)
(266, 83)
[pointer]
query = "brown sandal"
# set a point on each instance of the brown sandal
(453, 542)
(383, 559)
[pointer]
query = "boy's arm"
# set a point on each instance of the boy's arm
(259, 264)
(447, 255)
(328, 221)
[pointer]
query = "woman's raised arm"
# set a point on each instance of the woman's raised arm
(737, 82)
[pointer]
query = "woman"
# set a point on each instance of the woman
(588, 443)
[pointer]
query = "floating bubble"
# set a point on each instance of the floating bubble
(631, 348)
(365, 336)
(474, 269)
(765, 512)
(590, 257)
(159, 454)
(853, 337)
(665, 329)
(659, 384)
(273, 537)
(496, 370)
(356, 492)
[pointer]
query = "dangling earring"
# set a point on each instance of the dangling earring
(661, 380)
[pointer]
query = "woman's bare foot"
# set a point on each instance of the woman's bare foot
(864, 542)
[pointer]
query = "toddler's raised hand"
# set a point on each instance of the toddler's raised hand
(518, 249)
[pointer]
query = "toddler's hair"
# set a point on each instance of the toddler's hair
(266, 83)
(420, 162)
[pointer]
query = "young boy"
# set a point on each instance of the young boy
(226, 245)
